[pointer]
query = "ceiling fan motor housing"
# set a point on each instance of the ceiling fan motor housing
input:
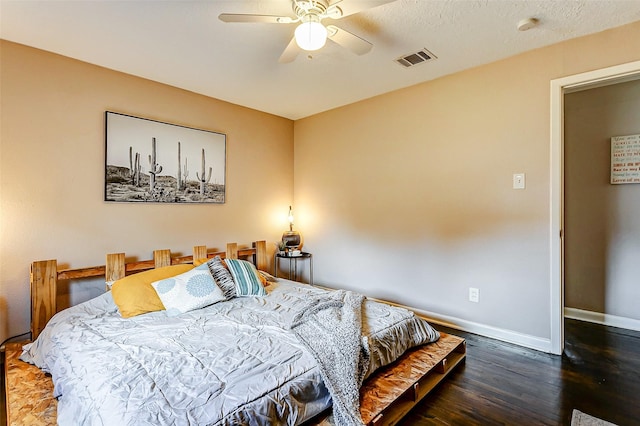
(306, 7)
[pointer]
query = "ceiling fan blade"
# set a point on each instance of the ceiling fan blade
(344, 38)
(290, 52)
(340, 8)
(267, 19)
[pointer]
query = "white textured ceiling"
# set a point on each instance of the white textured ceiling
(182, 43)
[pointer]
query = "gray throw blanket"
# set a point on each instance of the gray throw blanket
(331, 329)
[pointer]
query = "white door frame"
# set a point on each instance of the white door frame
(591, 79)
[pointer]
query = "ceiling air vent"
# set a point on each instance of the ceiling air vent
(416, 58)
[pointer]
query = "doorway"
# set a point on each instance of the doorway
(559, 88)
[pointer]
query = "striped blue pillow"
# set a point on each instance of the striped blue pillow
(246, 278)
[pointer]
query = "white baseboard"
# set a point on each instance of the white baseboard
(604, 319)
(510, 336)
(526, 340)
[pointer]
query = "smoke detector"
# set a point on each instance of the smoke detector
(527, 24)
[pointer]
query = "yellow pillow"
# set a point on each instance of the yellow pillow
(134, 294)
(198, 262)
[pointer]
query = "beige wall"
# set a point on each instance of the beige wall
(602, 238)
(52, 172)
(408, 197)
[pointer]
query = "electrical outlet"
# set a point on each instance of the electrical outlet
(474, 295)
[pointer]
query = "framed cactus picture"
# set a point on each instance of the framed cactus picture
(152, 161)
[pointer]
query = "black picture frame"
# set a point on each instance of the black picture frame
(156, 162)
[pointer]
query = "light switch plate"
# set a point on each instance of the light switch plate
(474, 295)
(518, 181)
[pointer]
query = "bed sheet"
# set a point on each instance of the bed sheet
(234, 362)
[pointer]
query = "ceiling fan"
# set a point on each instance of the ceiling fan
(311, 34)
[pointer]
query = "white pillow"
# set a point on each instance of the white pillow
(186, 292)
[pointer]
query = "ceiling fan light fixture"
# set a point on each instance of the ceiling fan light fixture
(311, 34)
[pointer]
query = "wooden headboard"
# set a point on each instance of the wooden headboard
(45, 274)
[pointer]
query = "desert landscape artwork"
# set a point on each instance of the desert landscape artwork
(152, 161)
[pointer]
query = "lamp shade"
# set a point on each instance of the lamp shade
(311, 34)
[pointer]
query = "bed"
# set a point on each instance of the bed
(255, 366)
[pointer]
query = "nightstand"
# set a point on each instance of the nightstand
(293, 264)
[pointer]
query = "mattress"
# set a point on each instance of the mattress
(234, 362)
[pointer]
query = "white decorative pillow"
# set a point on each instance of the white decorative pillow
(186, 292)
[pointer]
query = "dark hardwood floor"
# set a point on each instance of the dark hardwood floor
(503, 384)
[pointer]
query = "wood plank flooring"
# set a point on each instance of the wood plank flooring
(503, 384)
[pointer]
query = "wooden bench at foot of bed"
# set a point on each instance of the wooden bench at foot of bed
(385, 397)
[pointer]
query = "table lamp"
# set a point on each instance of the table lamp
(291, 238)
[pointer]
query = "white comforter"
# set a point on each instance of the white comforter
(235, 362)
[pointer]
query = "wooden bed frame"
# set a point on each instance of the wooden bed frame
(385, 397)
